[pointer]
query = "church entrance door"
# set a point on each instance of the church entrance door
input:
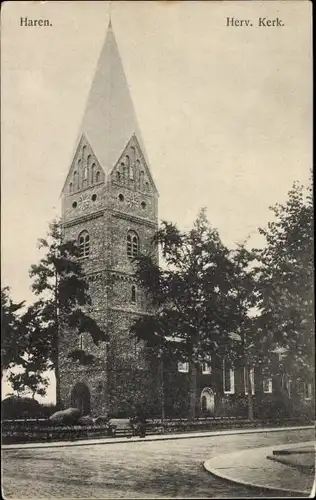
(207, 400)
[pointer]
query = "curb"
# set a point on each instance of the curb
(249, 484)
(282, 460)
(60, 444)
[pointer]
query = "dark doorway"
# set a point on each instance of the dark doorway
(80, 398)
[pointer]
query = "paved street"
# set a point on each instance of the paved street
(161, 469)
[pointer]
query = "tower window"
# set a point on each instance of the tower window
(143, 204)
(93, 197)
(97, 177)
(133, 297)
(92, 172)
(121, 197)
(70, 187)
(74, 205)
(84, 244)
(88, 160)
(133, 154)
(132, 244)
(75, 179)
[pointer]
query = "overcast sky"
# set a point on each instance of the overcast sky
(225, 112)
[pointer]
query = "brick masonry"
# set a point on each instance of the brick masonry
(108, 209)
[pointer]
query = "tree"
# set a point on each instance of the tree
(12, 341)
(60, 284)
(285, 277)
(27, 381)
(200, 295)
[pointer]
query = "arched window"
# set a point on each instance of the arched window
(131, 173)
(118, 176)
(75, 179)
(70, 187)
(85, 176)
(133, 155)
(84, 244)
(88, 160)
(92, 173)
(84, 341)
(128, 165)
(132, 244)
(97, 177)
(141, 178)
(133, 296)
(84, 151)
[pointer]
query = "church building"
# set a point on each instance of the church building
(110, 207)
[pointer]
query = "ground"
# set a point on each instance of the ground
(160, 469)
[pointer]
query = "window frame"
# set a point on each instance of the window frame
(231, 380)
(183, 367)
(85, 245)
(133, 294)
(206, 368)
(269, 389)
(132, 244)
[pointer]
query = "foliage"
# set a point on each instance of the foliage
(285, 287)
(200, 295)
(63, 298)
(28, 382)
(13, 407)
(12, 341)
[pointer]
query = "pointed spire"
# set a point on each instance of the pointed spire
(110, 20)
(109, 120)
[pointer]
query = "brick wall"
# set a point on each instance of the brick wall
(108, 210)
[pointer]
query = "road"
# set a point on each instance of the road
(161, 469)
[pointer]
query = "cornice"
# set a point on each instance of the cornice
(83, 218)
(133, 218)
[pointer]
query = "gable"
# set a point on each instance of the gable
(85, 169)
(131, 169)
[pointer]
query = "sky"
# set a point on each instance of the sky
(225, 112)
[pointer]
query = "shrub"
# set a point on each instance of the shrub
(272, 407)
(15, 407)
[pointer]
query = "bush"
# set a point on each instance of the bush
(15, 407)
(234, 405)
(272, 407)
(302, 409)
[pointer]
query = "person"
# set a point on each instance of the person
(133, 425)
(142, 423)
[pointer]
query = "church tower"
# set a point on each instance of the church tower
(109, 205)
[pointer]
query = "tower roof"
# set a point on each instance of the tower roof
(109, 119)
